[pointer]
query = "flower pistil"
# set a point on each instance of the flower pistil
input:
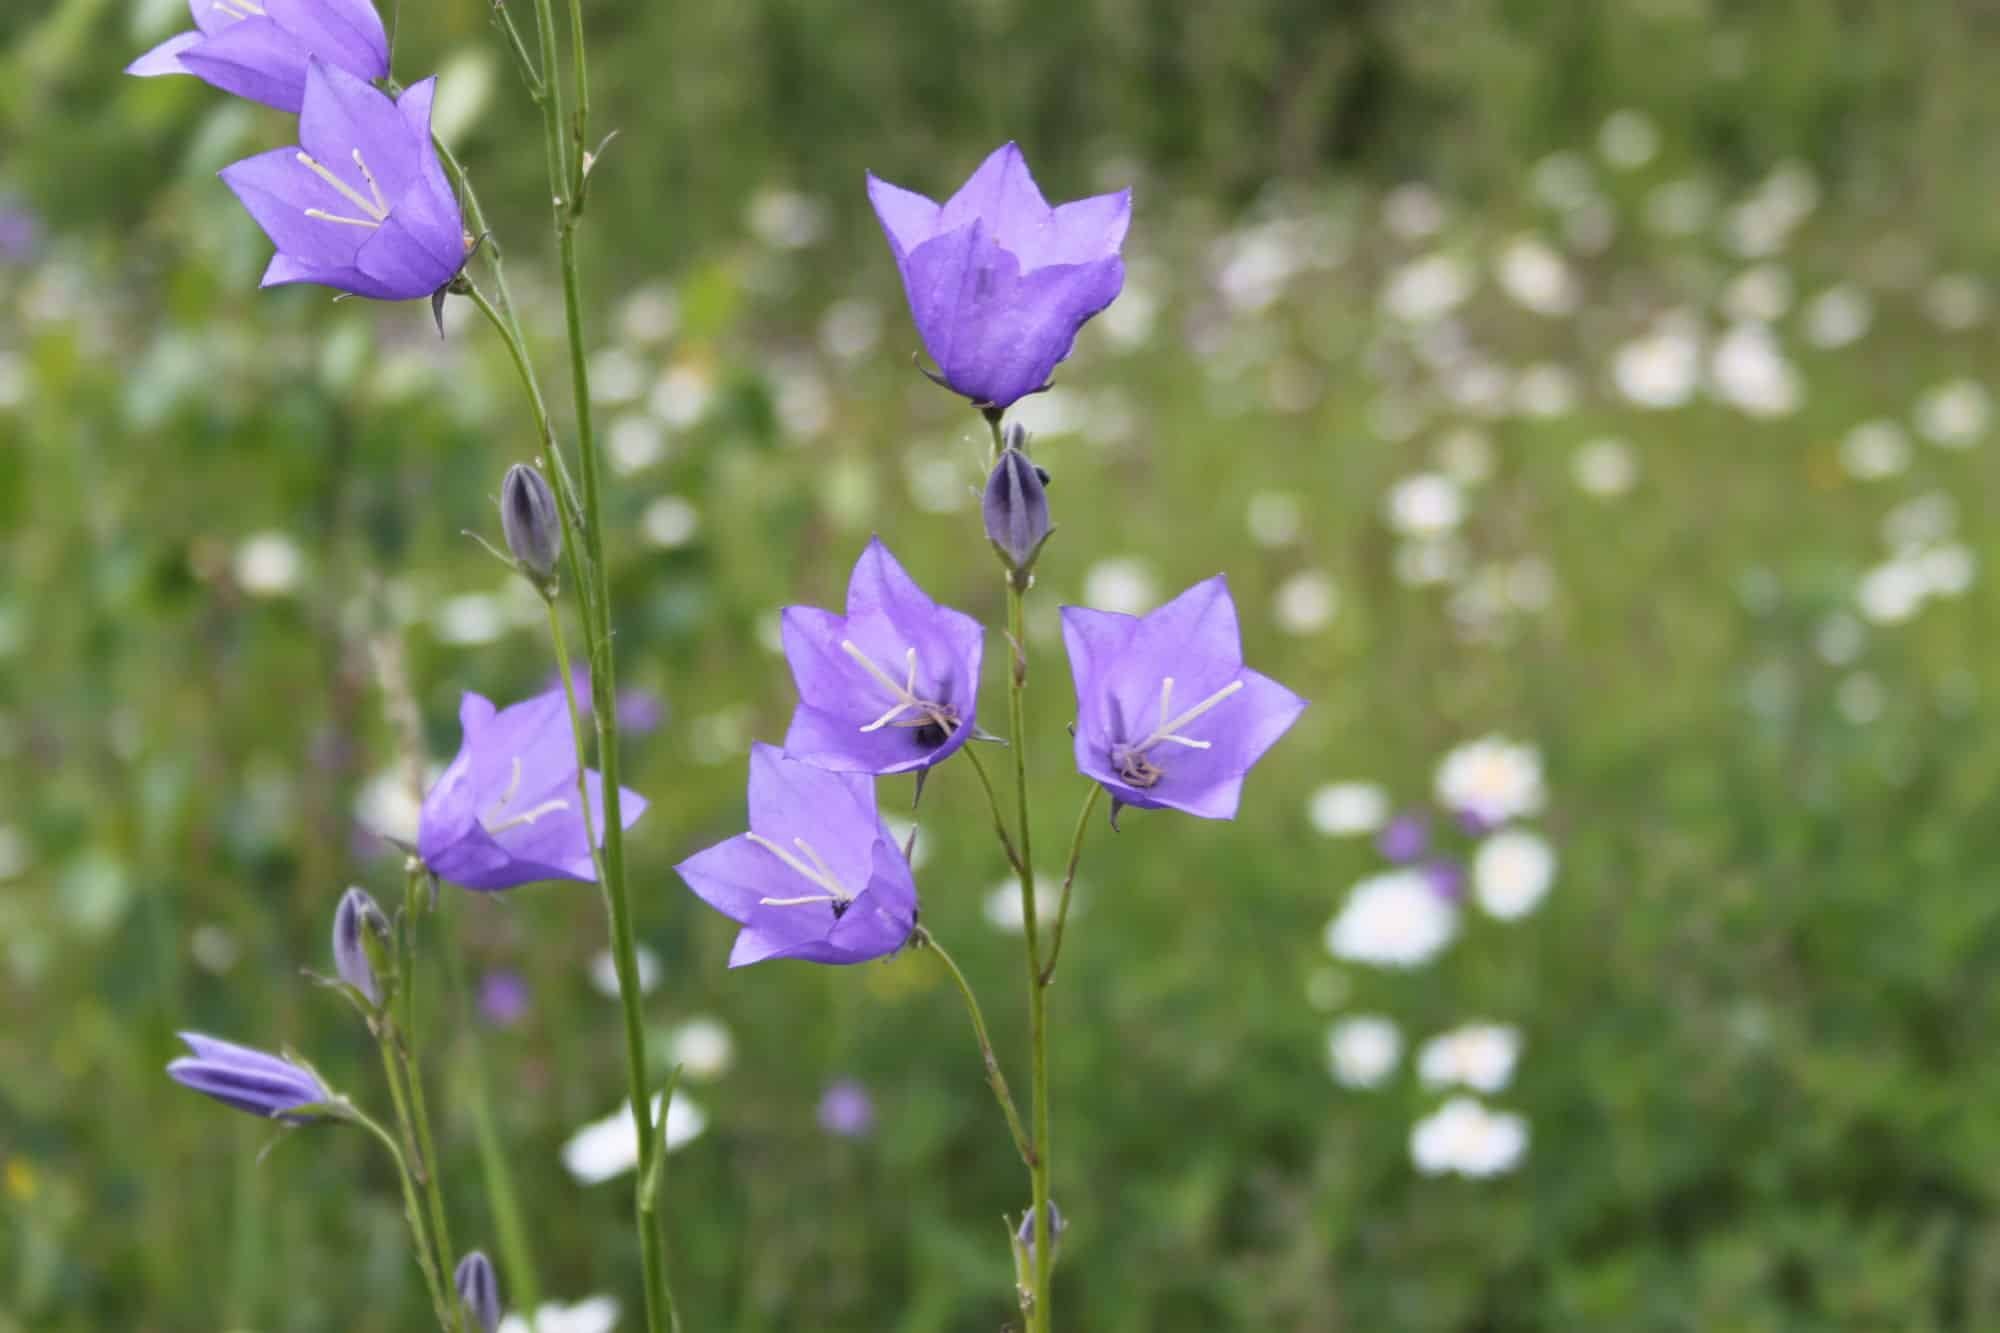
(1132, 762)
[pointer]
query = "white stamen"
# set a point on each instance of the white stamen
(905, 693)
(374, 189)
(818, 874)
(528, 816)
(1167, 728)
(324, 216)
(347, 192)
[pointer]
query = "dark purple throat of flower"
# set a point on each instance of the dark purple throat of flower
(931, 721)
(1138, 762)
(818, 874)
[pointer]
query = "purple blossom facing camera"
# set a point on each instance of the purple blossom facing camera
(261, 49)
(818, 877)
(506, 811)
(362, 204)
(249, 1080)
(1167, 715)
(998, 281)
(846, 1109)
(1404, 838)
(887, 688)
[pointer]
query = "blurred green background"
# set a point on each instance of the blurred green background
(1617, 283)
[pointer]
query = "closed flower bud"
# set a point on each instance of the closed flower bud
(479, 1287)
(356, 918)
(528, 518)
(1016, 509)
(1025, 1237)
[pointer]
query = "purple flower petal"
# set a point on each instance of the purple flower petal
(246, 1079)
(262, 52)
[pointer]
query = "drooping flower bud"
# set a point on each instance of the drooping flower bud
(1016, 509)
(1025, 1237)
(354, 920)
(479, 1287)
(529, 520)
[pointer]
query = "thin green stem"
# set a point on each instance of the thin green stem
(412, 1213)
(1038, 1026)
(581, 79)
(1069, 879)
(993, 804)
(435, 1261)
(523, 62)
(995, 1077)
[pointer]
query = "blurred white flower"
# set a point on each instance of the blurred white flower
(1363, 1050)
(1122, 583)
(1305, 603)
(1465, 1138)
(1874, 450)
(212, 947)
(604, 971)
(1954, 414)
(1948, 570)
(1130, 320)
(900, 828)
(1003, 902)
(702, 1047)
(1511, 873)
(1680, 207)
(1760, 294)
(803, 403)
(1466, 455)
(1751, 374)
(649, 315)
(599, 1314)
(1659, 370)
(1426, 505)
(1839, 639)
(1493, 779)
(1920, 521)
(1562, 181)
(1413, 211)
(1480, 386)
(1628, 139)
(1545, 390)
(1394, 919)
(1892, 592)
(1479, 1056)
(670, 521)
(1955, 301)
(681, 397)
(13, 852)
(1605, 468)
(1839, 315)
(606, 1149)
(1860, 698)
(1275, 518)
(1590, 227)
(850, 328)
(634, 443)
(1427, 288)
(1536, 276)
(1426, 563)
(269, 564)
(469, 619)
(939, 484)
(1347, 809)
(786, 219)
(616, 376)
(1254, 265)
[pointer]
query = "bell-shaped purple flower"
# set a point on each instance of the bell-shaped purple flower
(1167, 715)
(249, 1080)
(362, 204)
(260, 49)
(479, 1289)
(887, 688)
(506, 811)
(999, 282)
(818, 876)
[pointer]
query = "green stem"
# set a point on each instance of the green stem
(993, 804)
(400, 1043)
(995, 1077)
(1069, 878)
(435, 1261)
(412, 1212)
(1038, 1026)
(581, 79)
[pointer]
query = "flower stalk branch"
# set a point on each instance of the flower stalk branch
(995, 1076)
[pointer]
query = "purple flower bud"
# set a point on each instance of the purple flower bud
(529, 520)
(479, 1287)
(1026, 1235)
(358, 915)
(249, 1080)
(1446, 877)
(1404, 838)
(1016, 508)
(847, 1110)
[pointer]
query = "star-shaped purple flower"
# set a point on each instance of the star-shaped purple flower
(362, 204)
(249, 1080)
(259, 49)
(887, 688)
(1167, 715)
(506, 812)
(818, 876)
(999, 282)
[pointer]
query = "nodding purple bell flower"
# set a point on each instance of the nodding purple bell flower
(999, 283)
(818, 877)
(362, 204)
(1016, 509)
(249, 1080)
(1167, 715)
(1404, 838)
(479, 1288)
(260, 49)
(356, 918)
(891, 686)
(506, 811)
(846, 1110)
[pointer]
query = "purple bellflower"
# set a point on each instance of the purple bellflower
(362, 204)
(259, 49)
(999, 282)
(818, 876)
(1404, 838)
(506, 811)
(266, 1085)
(1167, 715)
(846, 1109)
(887, 688)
